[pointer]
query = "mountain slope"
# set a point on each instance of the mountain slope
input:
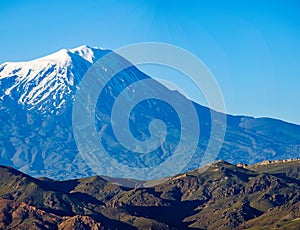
(36, 100)
(223, 197)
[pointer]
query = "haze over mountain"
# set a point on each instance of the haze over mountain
(36, 100)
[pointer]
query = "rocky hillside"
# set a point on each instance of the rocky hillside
(217, 196)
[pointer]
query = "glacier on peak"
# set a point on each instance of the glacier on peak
(91, 54)
(37, 83)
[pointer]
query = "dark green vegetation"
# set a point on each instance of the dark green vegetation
(223, 196)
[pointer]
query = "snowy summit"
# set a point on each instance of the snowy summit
(49, 81)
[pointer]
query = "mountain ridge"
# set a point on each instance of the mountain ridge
(222, 197)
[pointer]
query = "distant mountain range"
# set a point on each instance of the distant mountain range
(224, 196)
(36, 135)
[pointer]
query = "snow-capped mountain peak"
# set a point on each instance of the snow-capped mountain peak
(62, 55)
(47, 82)
(36, 134)
(91, 54)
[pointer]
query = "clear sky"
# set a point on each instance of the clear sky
(252, 47)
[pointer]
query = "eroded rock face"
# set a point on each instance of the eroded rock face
(80, 222)
(19, 215)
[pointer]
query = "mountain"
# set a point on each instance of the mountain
(36, 136)
(225, 196)
(47, 83)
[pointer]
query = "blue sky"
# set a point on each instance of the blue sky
(252, 47)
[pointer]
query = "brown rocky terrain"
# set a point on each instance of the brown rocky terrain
(224, 196)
